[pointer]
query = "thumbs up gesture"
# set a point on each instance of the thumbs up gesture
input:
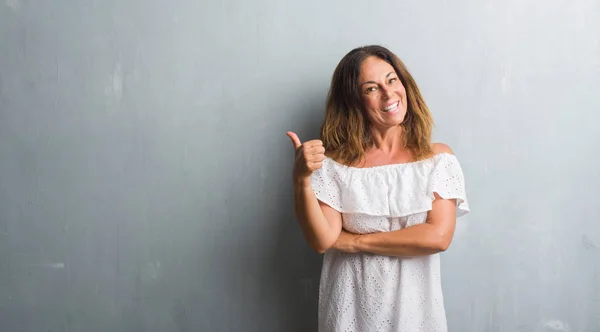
(309, 157)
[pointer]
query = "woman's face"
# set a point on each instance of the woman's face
(383, 95)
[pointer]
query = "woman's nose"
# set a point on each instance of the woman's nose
(387, 93)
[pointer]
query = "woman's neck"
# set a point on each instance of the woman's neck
(388, 141)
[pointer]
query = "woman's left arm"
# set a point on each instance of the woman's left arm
(433, 236)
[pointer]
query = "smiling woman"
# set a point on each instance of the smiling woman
(379, 199)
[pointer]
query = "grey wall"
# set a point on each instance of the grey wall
(145, 171)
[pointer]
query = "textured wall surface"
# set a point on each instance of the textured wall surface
(145, 173)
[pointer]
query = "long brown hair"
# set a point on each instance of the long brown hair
(346, 130)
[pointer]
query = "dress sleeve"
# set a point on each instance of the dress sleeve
(447, 180)
(326, 185)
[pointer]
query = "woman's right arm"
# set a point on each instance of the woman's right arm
(320, 224)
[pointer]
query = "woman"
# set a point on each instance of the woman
(379, 199)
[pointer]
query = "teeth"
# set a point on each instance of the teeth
(391, 107)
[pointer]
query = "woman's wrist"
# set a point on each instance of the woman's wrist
(302, 183)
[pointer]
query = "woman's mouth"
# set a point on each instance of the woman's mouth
(392, 108)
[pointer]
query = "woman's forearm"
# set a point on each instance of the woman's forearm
(427, 238)
(418, 240)
(318, 231)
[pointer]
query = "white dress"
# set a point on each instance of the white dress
(364, 292)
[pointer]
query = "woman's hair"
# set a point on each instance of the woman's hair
(346, 130)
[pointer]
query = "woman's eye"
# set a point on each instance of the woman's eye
(371, 89)
(393, 80)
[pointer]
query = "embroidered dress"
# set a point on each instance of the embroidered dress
(365, 292)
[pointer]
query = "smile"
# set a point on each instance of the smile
(391, 108)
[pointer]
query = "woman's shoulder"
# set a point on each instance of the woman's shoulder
(439, 148)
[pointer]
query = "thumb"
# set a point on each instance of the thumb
(294, 139)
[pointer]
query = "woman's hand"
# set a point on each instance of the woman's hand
(309, 158)
(347, 242)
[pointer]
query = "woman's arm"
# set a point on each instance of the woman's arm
(433, 236)
(320, 224)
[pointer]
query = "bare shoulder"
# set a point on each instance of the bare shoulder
(441, 148)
